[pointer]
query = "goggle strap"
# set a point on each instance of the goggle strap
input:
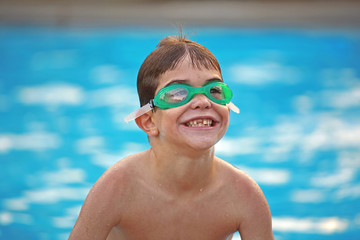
(141, 111)
(232, 106)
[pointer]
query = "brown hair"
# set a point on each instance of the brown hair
(169, 52)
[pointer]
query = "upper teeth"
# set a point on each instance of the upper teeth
(199, 123)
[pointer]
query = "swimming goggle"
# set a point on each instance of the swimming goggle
(178, 94)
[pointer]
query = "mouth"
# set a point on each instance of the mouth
(197, 123)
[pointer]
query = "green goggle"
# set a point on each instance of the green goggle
(178, 94)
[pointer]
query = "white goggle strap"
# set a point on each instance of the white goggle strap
(141, 111)
(232, 106)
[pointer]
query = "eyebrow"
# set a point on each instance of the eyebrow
(187, 81)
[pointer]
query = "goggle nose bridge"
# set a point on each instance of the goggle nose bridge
(197, 90)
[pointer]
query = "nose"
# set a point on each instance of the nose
(200, 101)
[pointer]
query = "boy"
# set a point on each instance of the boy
(177, 189)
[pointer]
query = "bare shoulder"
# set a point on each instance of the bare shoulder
(241, 185)
(240, 182)
(120, 171)
(105, 200)
(254, 217)
(116, 180)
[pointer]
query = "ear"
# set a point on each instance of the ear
(146, 123)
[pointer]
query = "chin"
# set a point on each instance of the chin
(201, 144)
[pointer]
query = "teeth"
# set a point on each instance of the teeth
(200, 123)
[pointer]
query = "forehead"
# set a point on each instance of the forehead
(188, 73)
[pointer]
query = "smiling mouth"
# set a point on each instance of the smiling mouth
(200, 123)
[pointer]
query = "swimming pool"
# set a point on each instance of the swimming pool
(64, 93)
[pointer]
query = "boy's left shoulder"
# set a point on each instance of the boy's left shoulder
(251, 207)
(239, 182)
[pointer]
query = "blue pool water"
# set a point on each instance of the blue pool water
(64, 93)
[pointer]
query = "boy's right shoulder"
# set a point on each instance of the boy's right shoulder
(123, 169)
(119, 177)
(107, 199)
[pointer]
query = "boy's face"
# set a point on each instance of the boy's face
(198, 124)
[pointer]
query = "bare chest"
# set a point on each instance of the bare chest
(157, 217)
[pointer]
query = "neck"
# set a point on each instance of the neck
(182, 171)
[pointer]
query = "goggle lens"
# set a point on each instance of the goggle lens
(174, 96)
(217, 92)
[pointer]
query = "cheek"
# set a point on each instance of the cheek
(164, 123)
(224, 112)
(225, 115)
(169, 124)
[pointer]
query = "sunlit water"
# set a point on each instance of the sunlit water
(64, 93)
